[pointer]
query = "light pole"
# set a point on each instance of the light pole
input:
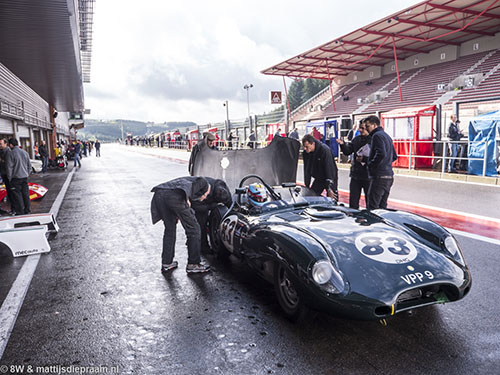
(226, 104)
(248, 87)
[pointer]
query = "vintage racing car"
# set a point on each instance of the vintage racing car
(356, 264)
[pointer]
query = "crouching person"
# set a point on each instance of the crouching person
(171, 201)
(219, 193)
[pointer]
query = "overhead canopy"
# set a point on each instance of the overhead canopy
(41, 41)
(418, 29)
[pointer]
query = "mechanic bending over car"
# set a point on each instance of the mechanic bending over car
(219, 193)
(319, 163)
(171, 202)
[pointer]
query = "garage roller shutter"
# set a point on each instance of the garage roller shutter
(5, 126)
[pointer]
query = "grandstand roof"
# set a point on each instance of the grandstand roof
(420, 28)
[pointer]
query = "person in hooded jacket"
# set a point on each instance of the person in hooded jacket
(219, 193)
(319, 163)
(171, 202)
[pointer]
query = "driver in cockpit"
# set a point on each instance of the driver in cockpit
(257, 195)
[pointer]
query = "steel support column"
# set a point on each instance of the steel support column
(397, 68)
(330, 84)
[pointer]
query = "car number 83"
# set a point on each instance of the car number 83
(385, 247)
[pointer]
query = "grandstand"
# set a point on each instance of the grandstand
(437, 52)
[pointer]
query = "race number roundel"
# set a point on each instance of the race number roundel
(385, 247)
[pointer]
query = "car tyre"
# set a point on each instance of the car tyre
(216, 244)
(288, 296)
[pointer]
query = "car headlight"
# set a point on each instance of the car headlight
(322, 272)
(327, 277)
(452, 247)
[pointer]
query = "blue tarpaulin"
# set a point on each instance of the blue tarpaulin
(482, 132)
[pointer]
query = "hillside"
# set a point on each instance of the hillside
(110, 130)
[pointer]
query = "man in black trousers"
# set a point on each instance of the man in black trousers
(219, 193)
(360, 148)
(18, 167)
(171, 202)
(319, 163)
(382, 155)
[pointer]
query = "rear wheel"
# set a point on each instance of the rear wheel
(218, 247)
(288, 297)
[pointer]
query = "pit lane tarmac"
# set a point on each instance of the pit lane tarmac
(99, 299)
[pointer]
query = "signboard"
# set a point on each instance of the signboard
(275, 97)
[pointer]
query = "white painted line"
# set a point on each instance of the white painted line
(419, 205)
(450, 180)
(461, 213)
(474, 236)
(14, 300)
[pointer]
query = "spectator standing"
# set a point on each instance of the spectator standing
(252, 140)
(209, 139)
(353, 133)
(455, 134)
(18, 169)
(171, 202)
(44, 155)
(294, 134)
(316, 134)
(319, 163)
(230, 139)
(4, 154)
(278, 133)
(97, 148)
(219, 193)
(382, 155)
(78, 148)
(360, 149)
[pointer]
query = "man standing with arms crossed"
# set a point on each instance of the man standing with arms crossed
(382, 155)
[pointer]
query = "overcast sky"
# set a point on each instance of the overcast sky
(162, 60)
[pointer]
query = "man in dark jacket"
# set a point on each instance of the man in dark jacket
(382, 155)
(455, 134)
(319, 163)
(78, 148)
(171, 202)
(44, 154)
(18, 169)
(210, 140)
(360, 148)
(219, 193)
(97, 148)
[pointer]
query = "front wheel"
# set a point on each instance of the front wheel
(288, 297)
(216, 244)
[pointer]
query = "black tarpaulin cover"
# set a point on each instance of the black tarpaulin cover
(276, 163)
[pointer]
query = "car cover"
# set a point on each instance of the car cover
(276, 163)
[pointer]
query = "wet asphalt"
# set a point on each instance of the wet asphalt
(99, 298)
